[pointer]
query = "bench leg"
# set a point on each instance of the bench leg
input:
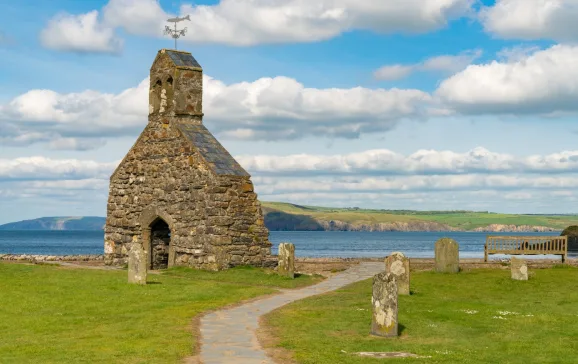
(485, 256)
(564, 257)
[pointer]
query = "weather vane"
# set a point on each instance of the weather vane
(174, 32)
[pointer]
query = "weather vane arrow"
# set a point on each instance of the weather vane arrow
(174, 33)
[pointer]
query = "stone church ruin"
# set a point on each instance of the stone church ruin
(178, 192)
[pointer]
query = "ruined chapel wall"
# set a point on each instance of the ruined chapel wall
(215, 221)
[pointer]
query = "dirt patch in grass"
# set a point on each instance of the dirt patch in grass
(269, 341)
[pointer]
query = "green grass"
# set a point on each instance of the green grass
(466, 220)
(52, 314)
(433, 322)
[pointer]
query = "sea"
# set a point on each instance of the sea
(343, 244)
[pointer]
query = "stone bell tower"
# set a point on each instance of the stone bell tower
(176, 87)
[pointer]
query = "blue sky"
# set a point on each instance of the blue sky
(432, 104)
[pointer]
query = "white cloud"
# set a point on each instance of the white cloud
(140, 17)
(393, 72)
(42, 168)
(75, 184)
(424, 180)
(261, 21)
(423, 162)
(448, 64)
(268, 108)
(80, 33)
(535, 19)
(516, 53)
(282, 108)
(543, 82)
(74, 121)
(470, 182)
(75, 144)
(245, 23)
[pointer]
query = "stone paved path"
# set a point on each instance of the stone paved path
(228, 336)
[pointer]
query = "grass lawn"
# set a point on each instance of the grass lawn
(478, 316)
(51, 314)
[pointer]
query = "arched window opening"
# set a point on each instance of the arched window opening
(170, 81)
(160, 241)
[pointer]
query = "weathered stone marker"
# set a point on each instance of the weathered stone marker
(447, 252)
(286, 265)
(137, 264)
(519, 269)
(384, 303)
(398, 265)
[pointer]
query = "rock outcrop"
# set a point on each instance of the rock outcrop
(336, 225)
(514, 228)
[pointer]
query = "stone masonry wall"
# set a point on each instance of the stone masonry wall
(215, 221)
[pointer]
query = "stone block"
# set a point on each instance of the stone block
(519, 269)
(447, 256)
(137, 264)
(384, 305)
(286, 265)
(398, 265)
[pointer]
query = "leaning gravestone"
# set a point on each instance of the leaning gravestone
(447, 252)
(286, 265)
(384, 303)
(137, 264)
(519, 269)
(398, 265)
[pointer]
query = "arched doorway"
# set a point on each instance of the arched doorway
(160, 241)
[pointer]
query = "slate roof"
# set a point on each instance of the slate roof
(183, 59)
(216, 156)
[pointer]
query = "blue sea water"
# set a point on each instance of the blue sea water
(345, 244)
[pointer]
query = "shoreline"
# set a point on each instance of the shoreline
(539, 229)
(304, 265)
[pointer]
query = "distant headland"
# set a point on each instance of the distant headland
(281, 216)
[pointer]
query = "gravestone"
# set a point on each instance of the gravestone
(519, 269)
(447, 256)
(384, 304)
(137, 264)
(398, 265)
(286, 265)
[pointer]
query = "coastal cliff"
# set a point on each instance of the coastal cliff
(514, 228)
(291, 217)
(335, 225)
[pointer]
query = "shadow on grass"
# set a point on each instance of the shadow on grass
(154, 283)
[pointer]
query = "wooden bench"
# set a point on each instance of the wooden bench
(526, 245)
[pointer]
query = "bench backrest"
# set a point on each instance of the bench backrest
(534, 244)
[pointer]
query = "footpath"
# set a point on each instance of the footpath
(229, 336)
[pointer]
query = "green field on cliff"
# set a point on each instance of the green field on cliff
(463, 220)
(280, 216)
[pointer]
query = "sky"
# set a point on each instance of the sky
(397, 104)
